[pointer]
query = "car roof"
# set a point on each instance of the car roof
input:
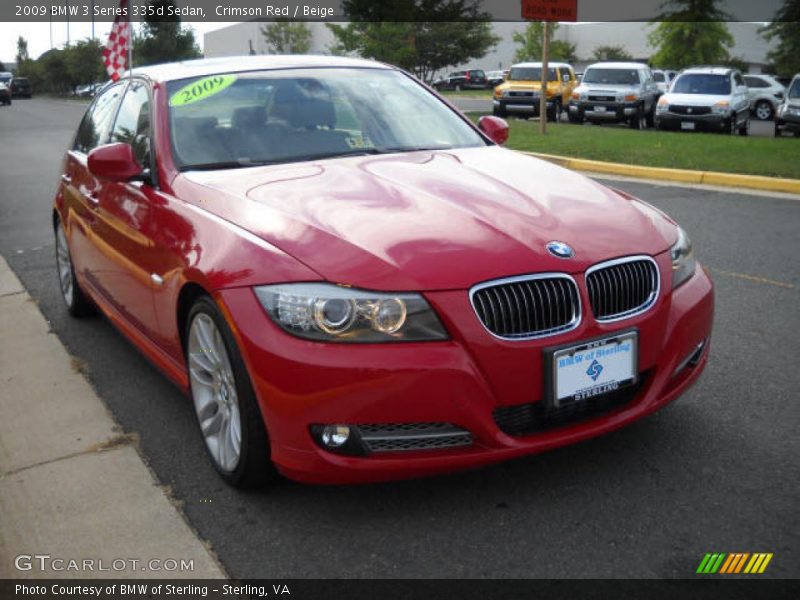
(618, 65)
(551, 65)
(232, 64)
(708, 70)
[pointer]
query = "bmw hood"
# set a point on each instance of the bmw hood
(432, 220)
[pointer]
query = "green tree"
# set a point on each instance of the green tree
(611, 53)
(22, 50)
(692, 34)
(421, 37)
(785, 56)
(286, 37)
(163, 38)
(529, 44)
(54, 71)
(84, 62)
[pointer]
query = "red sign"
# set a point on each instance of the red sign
(550, 10)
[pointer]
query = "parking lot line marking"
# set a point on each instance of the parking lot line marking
(754, 278)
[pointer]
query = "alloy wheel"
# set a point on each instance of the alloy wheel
(763, 111)
(64, 264)
(214, 392)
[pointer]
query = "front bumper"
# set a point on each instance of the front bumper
(461, 381)
(788, 122)
(520, 104)
(603, 111)
(710, 122)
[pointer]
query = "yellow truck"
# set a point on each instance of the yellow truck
(520, 92)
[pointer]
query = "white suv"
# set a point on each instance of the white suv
(765, 93)
(709, 98)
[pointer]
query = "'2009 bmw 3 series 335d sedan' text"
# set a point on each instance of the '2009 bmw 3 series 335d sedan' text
(355, 283)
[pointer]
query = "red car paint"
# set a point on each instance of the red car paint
(434, 222)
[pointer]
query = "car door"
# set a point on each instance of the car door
(82, 190)
(124, 224)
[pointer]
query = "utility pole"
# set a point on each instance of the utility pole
(545, 69)
(92, 20)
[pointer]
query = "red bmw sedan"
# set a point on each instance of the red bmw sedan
(354, 283)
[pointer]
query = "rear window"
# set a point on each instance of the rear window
(612, 76)
(702, 83)
(530, 74)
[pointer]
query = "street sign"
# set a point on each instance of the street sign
(550, 10)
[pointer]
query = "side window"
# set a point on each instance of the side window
(133, 122)
(97, 121)
(737, 79)
(755, 82)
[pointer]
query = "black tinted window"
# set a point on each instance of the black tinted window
(702, 83)
(133, 122)
(612, 76)
(794, 89)
(659, 77)
(97, 121)
(755, 82)
(530, 74)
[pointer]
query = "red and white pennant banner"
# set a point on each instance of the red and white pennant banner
(115, 54)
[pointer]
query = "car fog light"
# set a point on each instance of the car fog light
(335, 436)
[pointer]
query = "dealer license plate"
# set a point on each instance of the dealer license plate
(594, 368)
(687, 125)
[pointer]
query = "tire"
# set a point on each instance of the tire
(763, 110)
(730, 128)
(777, 130)
(651, 117)
(499, 111)
(76, 301)
(224, 400)
(744, 129)
(577, 119)
(554, 114)
(638, 121)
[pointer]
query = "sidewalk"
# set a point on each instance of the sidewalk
(71, 485)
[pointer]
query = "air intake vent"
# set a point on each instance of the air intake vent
(622, 288)
(399, 437)
(529, 306)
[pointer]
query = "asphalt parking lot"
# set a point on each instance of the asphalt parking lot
(715, 471)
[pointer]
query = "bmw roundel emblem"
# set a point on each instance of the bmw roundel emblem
(560, 249)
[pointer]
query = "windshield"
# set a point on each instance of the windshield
(702, 83)
(530, 74)
(244, 119)
(794, 89)
(612, 76)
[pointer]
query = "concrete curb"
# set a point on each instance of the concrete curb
(753, 182)
(73, 487)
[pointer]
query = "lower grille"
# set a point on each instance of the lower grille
(602, 98)
(622, 288)
(534, 417)
(403, 437)
(689, 110)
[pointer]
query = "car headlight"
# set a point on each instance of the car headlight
(721, 108)
(332, 313)
(683, 261)
(663, 105)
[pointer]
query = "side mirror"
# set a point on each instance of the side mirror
(115, 162)
(494, 127)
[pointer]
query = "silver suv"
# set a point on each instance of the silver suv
(615, 92)
(765, 93)
(709, 98)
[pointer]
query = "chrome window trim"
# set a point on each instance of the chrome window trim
(576, 316)
(649, 303)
